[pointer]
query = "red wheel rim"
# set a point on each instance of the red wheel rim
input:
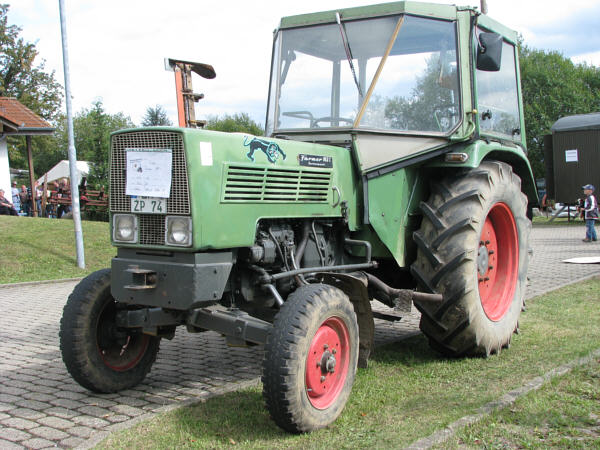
(327, 363)
(119, 350)
(498, 261)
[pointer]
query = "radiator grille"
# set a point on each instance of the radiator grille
(268, 185)
(179, 201)
(151, 229)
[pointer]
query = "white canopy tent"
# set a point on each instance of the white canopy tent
(61, 170)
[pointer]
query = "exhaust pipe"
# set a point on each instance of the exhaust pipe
(400, 298)
(484, 8)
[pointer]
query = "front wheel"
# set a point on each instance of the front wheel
(98, 355)
(310, 358)
(473, 248)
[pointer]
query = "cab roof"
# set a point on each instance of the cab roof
(433, 10)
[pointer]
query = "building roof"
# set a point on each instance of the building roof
(26, 121)
(578, 122)
(7, 125)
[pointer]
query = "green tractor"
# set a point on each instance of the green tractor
(393, 168)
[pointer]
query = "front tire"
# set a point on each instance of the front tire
(473, 249)
(310, 358)
(98, 355)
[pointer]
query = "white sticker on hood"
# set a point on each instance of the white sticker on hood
(206, 158)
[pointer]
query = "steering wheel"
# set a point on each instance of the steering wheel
(307, 115)
(331, 120)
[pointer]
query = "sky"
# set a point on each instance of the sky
(117, 48)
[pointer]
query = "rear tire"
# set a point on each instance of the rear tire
(310, 358)
(98, 355)
(473, 249)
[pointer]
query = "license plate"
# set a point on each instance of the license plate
(149, 205)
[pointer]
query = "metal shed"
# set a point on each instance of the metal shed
(572, 155)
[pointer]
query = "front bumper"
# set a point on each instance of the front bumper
(175, 280)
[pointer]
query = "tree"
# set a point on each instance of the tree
(21, 78)
(431, 105)
(240, 122)
(553, 87)
(28, 82)
(156, 116)
(92, 128)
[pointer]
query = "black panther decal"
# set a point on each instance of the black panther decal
(271, 149)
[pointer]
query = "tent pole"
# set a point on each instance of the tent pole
(44, 196)
(30, 161)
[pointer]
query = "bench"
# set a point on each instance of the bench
(97, 200)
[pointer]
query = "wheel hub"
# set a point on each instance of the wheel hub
(119, 349)
(327, 363)
(498, 262)
(483, 259)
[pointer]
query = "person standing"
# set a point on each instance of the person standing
(64, 193)
(590, 208)
(53, 201)
(15, 196)
(24, 197)
(38, 198)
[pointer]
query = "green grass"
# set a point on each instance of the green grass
(562, 221)
(407, 393)
(565, 413)
(35, 249)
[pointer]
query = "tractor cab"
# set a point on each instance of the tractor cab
(395, 80)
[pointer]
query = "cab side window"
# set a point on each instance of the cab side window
(497, 97)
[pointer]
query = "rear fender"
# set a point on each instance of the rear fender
(480, 151)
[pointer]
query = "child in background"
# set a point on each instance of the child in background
(590, 210)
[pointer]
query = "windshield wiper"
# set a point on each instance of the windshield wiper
(348, 51)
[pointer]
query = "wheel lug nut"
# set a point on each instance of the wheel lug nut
(490, 252)
(334, 351)
(487, 242)
(325, 347)
(490, 267)
(322, 378)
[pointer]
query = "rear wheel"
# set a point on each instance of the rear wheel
(473, 249)
(310, 358)
(98, 355)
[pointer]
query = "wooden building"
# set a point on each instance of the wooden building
(18, 120)
(572, 156)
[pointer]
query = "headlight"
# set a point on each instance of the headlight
(125, 228)
(178, 231)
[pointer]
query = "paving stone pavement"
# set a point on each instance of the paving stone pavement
(41, 406)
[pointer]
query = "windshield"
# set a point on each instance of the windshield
(318, 83)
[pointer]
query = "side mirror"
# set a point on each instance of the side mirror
(489, 52)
